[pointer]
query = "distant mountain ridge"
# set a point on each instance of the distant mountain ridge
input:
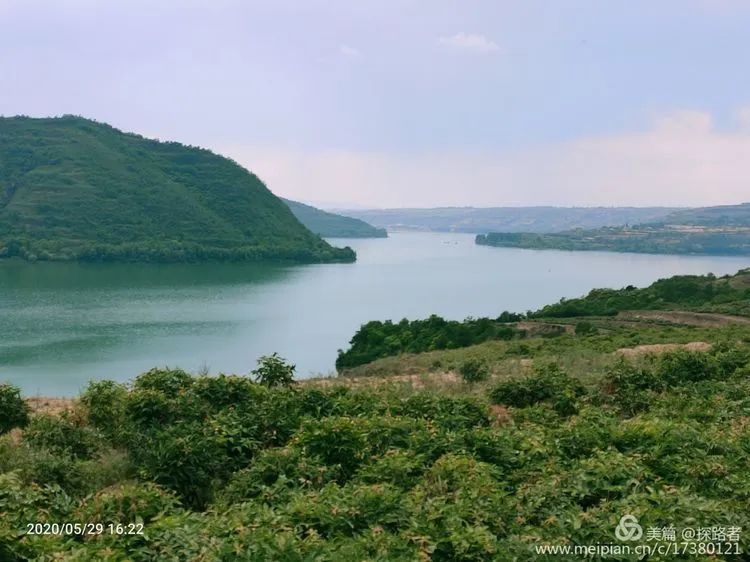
(721, 230)
(76, 189)
(332, 225)
(509, 219)
(720, 215)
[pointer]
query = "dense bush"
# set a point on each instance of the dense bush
(14, 412)
(548, 384)
(381, 339)
(273, 371)
(63, 435)
(474, 370)
(104, 402)
(585, 329)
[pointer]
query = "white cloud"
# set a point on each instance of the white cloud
(680, 160)
(349, 52)
(469, 42)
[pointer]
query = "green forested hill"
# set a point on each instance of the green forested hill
(702, 293)
(333, 225)
(71, 188)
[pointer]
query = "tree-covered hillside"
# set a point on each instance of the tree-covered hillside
(332, 225)
(721, 215)
(641, 240)
(702, 293)
(723, 230)
(75, 189)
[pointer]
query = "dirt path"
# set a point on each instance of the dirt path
(702, 319)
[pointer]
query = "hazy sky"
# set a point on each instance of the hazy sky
(412, 103)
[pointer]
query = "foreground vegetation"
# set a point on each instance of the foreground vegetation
(469, 453)
(223, 468)
(75, 189)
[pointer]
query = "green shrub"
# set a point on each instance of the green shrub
(169, 382)
(319, 403)
(347, 443)
(474, 370)
(498, 447)
(226, 391)
(681, 366)
(350, 509)
(127, 502)
(630, 387)
(149, 408)
(189, 459)
(449, 412)
(273, 371)
(63, 435)
(398, 467)
(14, 412)
(731, 359)
(585, 329)
(22, 503)
(105, 405)
(460, 509)
(548, 384)
(273, 475)
(362, 403)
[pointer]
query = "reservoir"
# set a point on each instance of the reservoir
(63, 324)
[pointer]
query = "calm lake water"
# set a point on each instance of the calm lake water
(62, 325)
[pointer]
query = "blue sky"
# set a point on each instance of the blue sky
(412, 103)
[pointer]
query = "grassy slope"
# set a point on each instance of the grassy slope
(332, 225)
(71, 188)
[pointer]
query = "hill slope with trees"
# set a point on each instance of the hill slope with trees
(508, 219)
(332, 225)
(75, 189)
(723, 230)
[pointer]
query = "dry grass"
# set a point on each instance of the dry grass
(640, 350)
(48, 405)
